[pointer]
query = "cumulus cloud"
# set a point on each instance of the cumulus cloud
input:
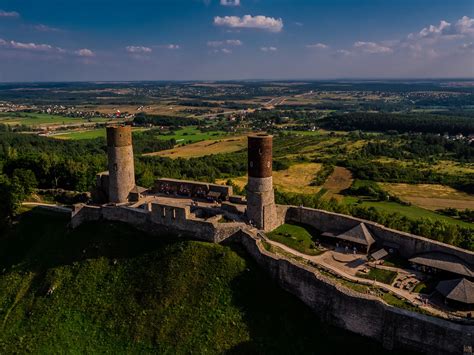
(317, 46)
(465, 26)
(13, 14)
(84, 52)
(372, 47)
(268, 49)
(230, 42)
(248, 21)
(138, 49)
(230, 2)
(445, 30)
(32, 46)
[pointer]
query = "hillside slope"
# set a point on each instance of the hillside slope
(108, 288)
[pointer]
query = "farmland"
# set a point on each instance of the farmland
(203, 148)
(431, 196)
(297, 178)
(40, 119)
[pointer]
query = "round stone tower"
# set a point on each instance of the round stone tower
(261, 210)
(120, 161)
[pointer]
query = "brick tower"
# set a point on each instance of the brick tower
(261, 210)
(120, 161)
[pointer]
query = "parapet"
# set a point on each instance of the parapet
(119, 136)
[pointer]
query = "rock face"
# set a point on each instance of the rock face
(261, 208)
(120, 162)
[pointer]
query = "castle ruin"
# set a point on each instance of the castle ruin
(212, 213)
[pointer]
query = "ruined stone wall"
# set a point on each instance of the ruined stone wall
(408, 244)
(362, 314)
(156, 219)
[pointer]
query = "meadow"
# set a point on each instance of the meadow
(191, 135)
(297, 178)
(203, 148)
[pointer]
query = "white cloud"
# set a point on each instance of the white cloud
(3, 42)
(344, 52)
(268, 49)
(230, 2)
(84, 52)
(299, 24)
(317, 46)
(465, 26)
(43, 28)
(226, 51)
(372, 47)
(248, 21)
(230, 42)
(9, 14)
(138, 49)
(172, 46)
(32, 46)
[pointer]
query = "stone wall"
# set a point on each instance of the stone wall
(406, 243)
(156, 219)
(362, 314)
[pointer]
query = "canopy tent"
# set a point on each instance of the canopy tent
(379, 254)
(445, 262)
(459, 290)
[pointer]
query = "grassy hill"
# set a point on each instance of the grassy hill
(110, 289)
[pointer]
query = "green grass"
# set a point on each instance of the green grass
(117, 290)
(381, 275)
(40, 119)
(191, 135)
(412, 212)
(298, 237)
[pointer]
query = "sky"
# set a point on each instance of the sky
(124, 40)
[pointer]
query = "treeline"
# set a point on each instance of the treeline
(207, 168)
(143, 118)
(419, 147)
(393, 172)
(382, 122)
(437, 230)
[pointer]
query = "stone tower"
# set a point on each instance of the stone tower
(261, 209)
(120, 161)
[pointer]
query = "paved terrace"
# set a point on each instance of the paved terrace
(347, 266)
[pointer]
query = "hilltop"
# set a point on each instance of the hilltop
(108, 288)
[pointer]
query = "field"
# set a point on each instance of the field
(191, 135)
(40, 119)
(412, 212)
(106, 288)
(338, 181)
(199, 149)
(429, 196)
(297, 178)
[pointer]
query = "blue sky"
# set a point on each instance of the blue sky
(56, 40)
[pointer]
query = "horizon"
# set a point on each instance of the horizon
(235, 40)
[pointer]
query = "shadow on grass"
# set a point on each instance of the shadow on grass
(279, 323)
(40, 240)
